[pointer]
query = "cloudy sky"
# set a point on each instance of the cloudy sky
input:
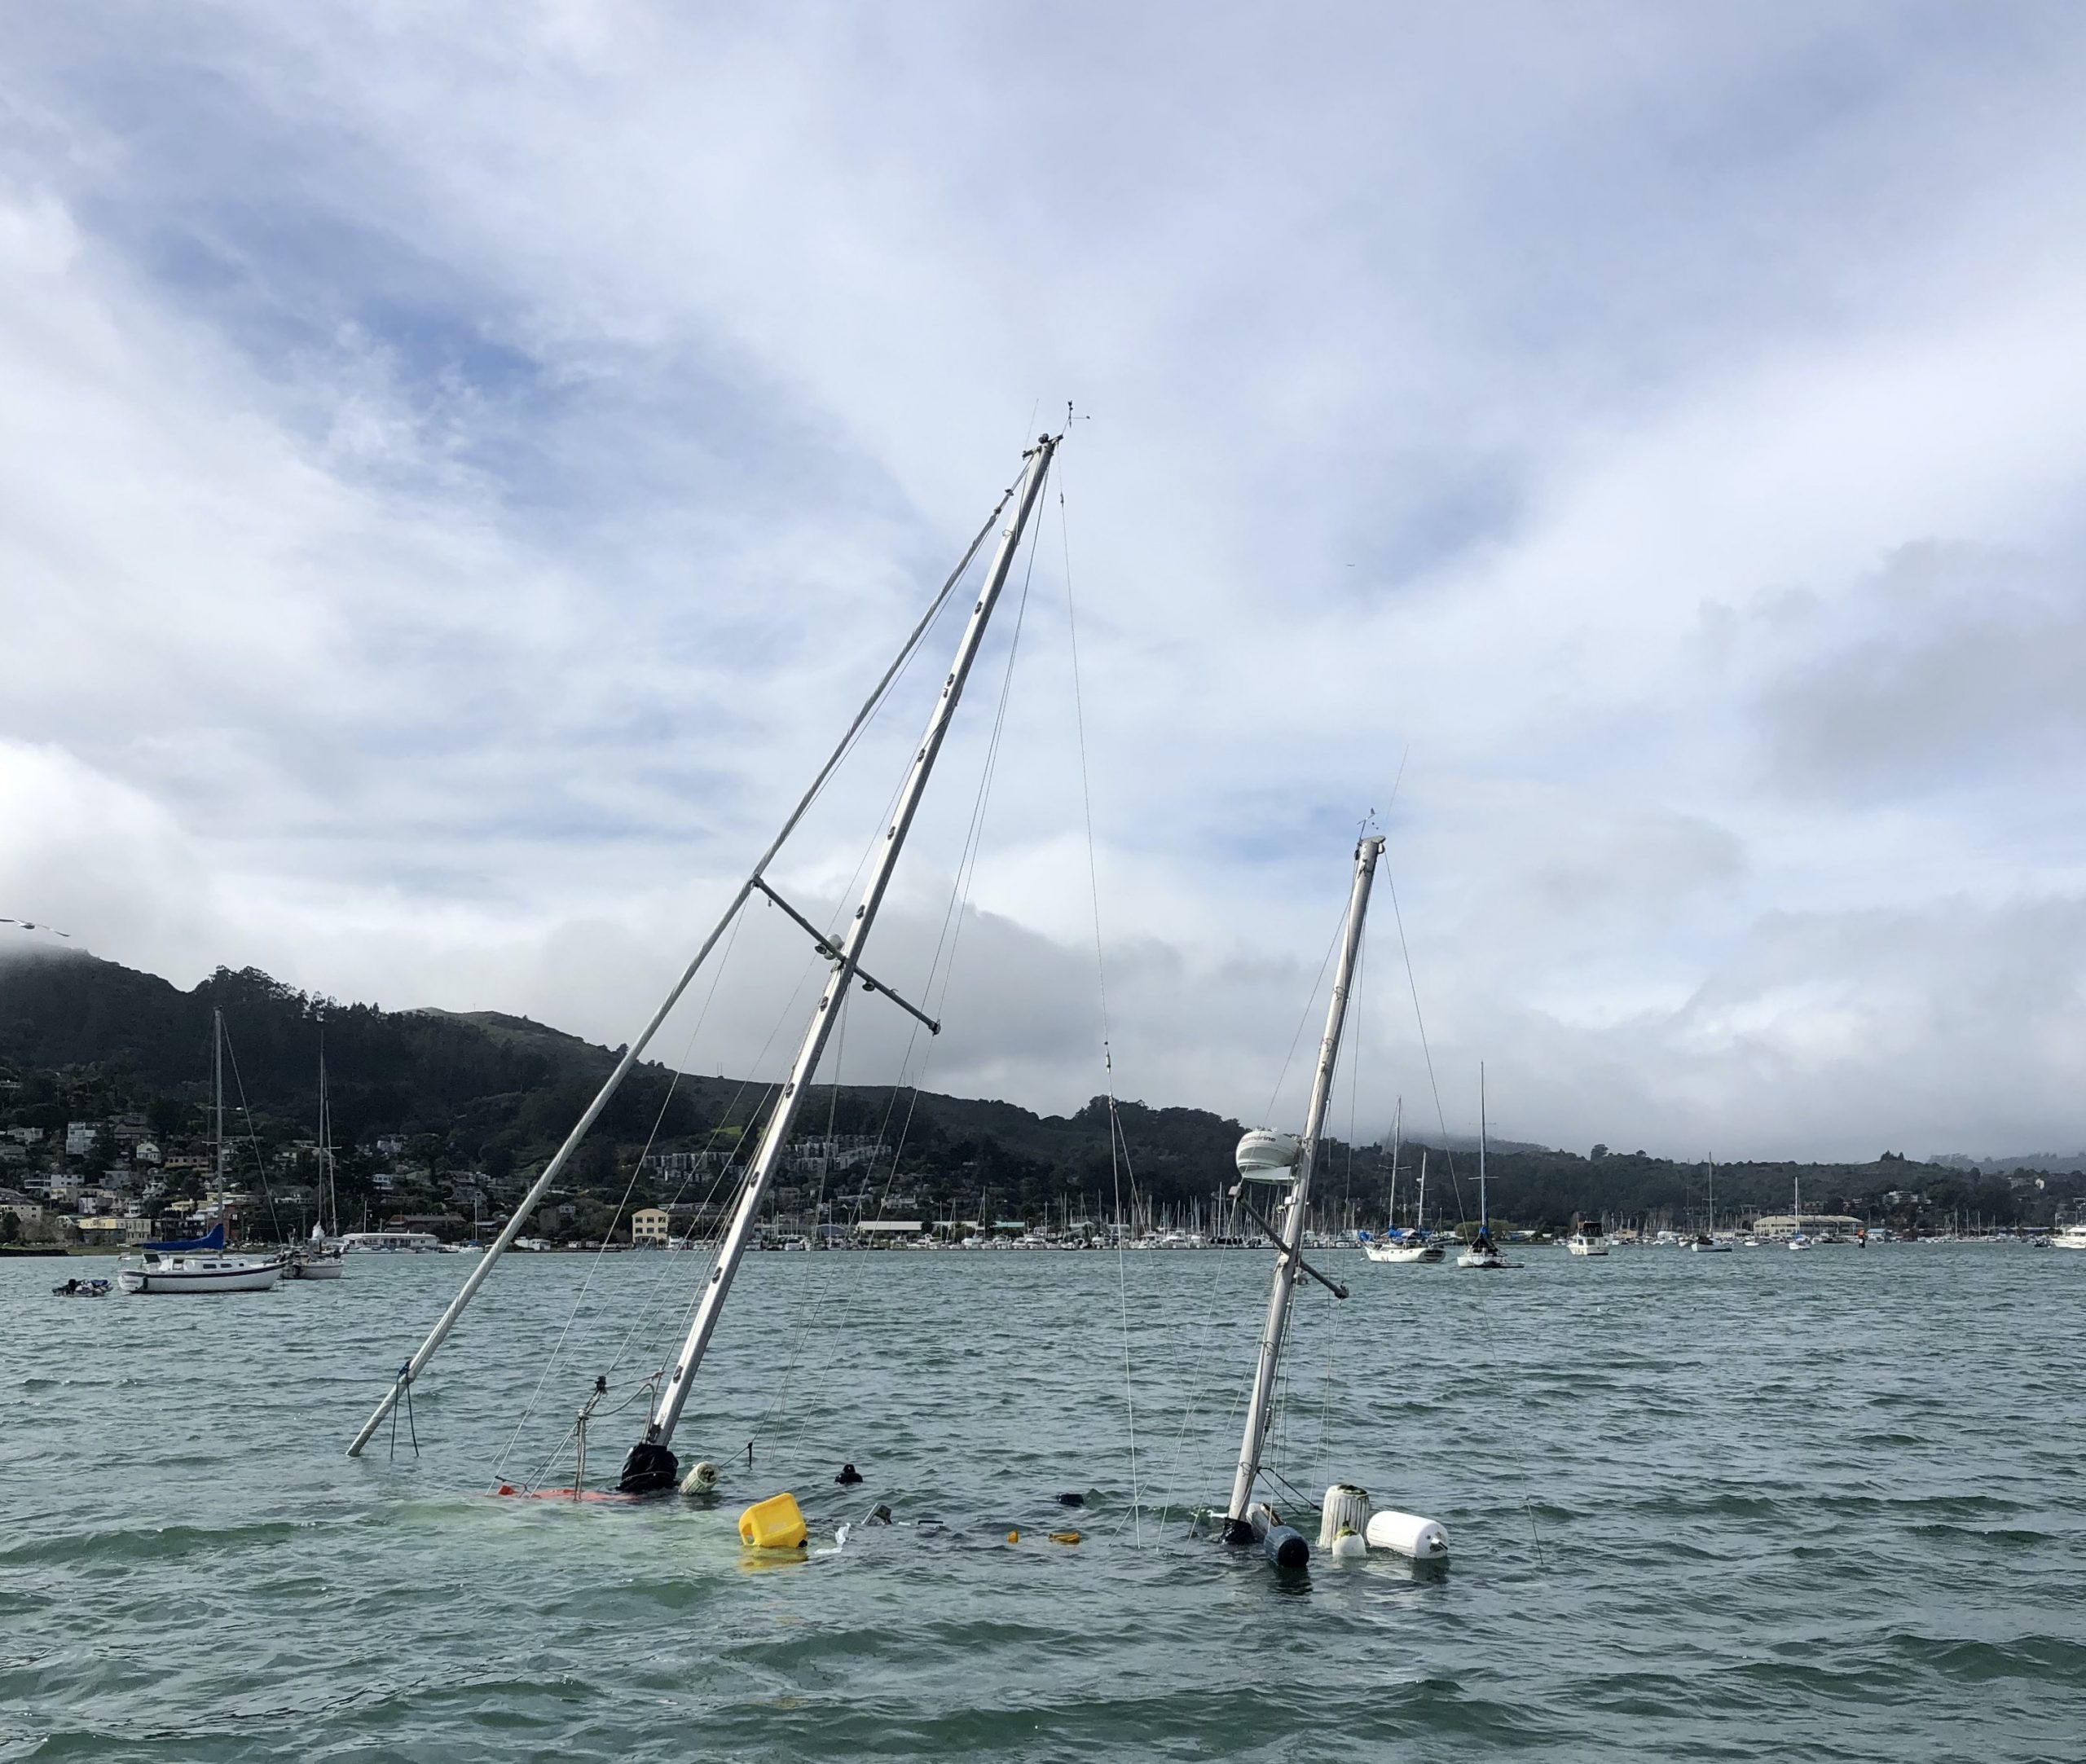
(461, 465)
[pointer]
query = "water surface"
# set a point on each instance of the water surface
(1757, 1506)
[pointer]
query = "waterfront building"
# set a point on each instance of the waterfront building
(1779, 1227)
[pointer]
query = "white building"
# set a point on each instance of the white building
(80, 1137)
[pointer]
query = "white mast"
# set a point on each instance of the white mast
(447, 1321)
(1288, 1264)
(217, 1094)
(651, 1463)
(1419, 1216)
(1483, 1218)
(328, 1198)
(1397, 1139)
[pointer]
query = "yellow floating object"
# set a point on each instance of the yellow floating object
(1014, 1537)
(774, 1523)
(1064, 1537)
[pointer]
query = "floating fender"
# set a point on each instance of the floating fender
(1348, 1547)
(774, 1523)
(1286, 1547)
(700, 1479)
(1408, 1534)
(1346, 1509)
(1064, 1537)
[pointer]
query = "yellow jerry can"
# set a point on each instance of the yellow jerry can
(774, 1523)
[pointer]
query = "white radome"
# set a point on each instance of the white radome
(1265, 1156)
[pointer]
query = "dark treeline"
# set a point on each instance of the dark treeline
(487, 1098)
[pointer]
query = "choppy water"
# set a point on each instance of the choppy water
(1760, 1506)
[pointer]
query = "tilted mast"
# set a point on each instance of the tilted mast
(1029, 482)
(651, 1464)
(1289, 1265)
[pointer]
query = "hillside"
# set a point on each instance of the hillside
(468, 1104)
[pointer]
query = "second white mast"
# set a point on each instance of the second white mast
(651, 1464)
(1288, 1267)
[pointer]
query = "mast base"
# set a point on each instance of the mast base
(1240, 1531)
(650, 1469)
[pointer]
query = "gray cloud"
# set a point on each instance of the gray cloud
(1969, 664)
(456, 474)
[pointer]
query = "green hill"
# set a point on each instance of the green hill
(480, 1099)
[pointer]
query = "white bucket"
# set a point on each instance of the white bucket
(1345, 1508)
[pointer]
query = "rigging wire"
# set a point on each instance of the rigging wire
(948, 940)
(593, 1266)
(1118, 1147)
(252, 1144)
(878, 700)
(1296, 1040)
(1405, 948)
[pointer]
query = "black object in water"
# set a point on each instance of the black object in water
(649, 1468)
(849, 1475)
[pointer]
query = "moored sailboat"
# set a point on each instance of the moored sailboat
(1706, 1241)
(1482, 1252)
(1412, 1245)
(201, 1265)
(320, 1259)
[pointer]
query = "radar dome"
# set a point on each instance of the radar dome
(1269, 1157)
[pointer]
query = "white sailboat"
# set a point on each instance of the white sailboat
(1412, 1246)
(201, 1265)
(1707, 1242)
(651, 1465)
(320, 1259)
(1798, 1240)
(1482, 1252)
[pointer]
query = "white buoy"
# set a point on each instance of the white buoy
(1346, 1508)
(700, 1479)
(1408, 1534)
(1348, 1547)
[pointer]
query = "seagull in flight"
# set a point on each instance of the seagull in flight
(31, 925)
